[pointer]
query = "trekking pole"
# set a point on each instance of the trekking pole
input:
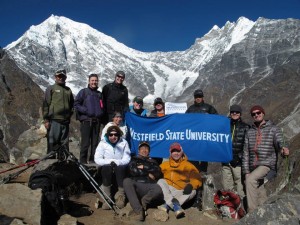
(112, 205)
(19, 166)
(286, 162)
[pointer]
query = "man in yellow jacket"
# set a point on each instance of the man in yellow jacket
(181, 179)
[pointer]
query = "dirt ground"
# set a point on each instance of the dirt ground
(83, 208)
(108, 217)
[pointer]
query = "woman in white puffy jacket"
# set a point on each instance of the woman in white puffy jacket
(113, 155)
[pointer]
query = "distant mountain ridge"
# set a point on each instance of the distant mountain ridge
(244, 62)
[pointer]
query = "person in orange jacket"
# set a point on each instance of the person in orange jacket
(181, 179)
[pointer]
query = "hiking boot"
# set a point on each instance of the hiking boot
(139, 216)
(164, 207)
(107, 191)
(120, 198)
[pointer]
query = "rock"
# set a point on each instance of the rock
(67, 220)
(19, 201)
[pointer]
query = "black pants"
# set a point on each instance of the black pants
(108, 173)
(89, 137)
(201, 166)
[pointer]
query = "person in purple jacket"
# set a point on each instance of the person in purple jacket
(89, 108)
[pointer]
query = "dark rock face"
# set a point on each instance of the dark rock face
(20, 101)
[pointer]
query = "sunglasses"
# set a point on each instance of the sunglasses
(256, 113)
(113, 134)
(234, 112)
(121, 77)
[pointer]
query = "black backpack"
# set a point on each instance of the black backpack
(48, 182)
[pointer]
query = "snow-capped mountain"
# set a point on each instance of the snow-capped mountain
(243, 62)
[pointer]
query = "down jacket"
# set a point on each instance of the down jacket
(201, 108)
(261, 148)
(107, 152)
(179, 174)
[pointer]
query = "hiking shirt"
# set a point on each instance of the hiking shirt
(179, 174)
(201, 107)
(58, 103)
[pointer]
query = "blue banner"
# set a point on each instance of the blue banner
(203, 137)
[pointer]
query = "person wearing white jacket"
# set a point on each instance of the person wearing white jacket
(113, 155)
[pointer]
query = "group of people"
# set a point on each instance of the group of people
(152, 182)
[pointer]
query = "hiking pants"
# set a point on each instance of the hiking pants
(108, 173)
(232, 179)
(89, 137)
(140, 195)
(256, 195)
(170, 192)
(58, 134)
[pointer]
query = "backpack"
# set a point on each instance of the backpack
(85, 94)
(229, 204)
(48, 182)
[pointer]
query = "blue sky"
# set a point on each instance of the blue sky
(145, 25)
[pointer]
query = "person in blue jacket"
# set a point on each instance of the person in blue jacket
(89, 107)
(137, 107)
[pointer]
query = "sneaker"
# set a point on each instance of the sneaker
(179, 213)
(164, 207)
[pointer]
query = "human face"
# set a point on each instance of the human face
(60, 79)
(176, 154)
(159, 106)
(137, 105)
(93, 82)
(119, 79)
(113, 137)
(257, 116)
(144, 150)
(235, 115)
(198, 99)
(117, 120)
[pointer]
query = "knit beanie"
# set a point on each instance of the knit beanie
(257, 107)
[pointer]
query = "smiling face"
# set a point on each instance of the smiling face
(144, 150)
(113, 137)
(93, 82)
(235, 115)
(176, 154)
(60, 78)
(119, 79)
(257, 116)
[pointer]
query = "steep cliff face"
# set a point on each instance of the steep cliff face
(21, 99)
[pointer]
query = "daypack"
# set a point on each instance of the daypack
(48, 182)
(229, 204)
(85, 94)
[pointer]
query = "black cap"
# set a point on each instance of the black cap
(120, 73)
(235, 108)
(198, 93)
(138, 99)
(146, 143)
(158, 101)
(60, 72)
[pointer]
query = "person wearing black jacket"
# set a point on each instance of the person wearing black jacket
(200, 106)
(141, 188)
(115, 97)
(231, 171)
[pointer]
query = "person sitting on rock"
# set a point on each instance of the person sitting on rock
(141, 188)
(113, 155)
(180, 182)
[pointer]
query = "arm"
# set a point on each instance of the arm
(78, 104)
(126, 155)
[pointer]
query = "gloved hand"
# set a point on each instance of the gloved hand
(113, 164)
(187, 189)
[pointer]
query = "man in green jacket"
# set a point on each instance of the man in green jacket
(57, 112)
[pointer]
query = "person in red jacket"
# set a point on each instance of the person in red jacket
(181, 179)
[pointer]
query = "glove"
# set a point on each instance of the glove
(113, 164)
(187, 189)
